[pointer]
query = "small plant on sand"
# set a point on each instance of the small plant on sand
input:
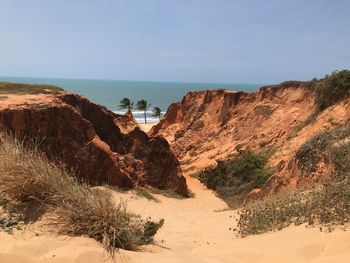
(75, 209)
(10, 221)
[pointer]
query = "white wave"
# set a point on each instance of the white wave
(139, 116)
(136, 112)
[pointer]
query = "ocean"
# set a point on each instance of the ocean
(110, 92)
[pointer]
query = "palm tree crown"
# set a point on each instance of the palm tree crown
(125, 103)
(157, 112)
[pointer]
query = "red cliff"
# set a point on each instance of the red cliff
(219, 124)
(102, 147)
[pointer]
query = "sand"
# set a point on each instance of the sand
(146, 127)
(195, 230)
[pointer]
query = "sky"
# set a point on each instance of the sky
(239, 41)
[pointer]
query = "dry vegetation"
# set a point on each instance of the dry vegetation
(328, 205)
(18, 88)
(27, 178)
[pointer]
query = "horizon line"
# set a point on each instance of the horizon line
(128, 80)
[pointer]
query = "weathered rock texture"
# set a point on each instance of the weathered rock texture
(219, 124)
(102, 147)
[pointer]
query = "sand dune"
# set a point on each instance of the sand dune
(195, 230)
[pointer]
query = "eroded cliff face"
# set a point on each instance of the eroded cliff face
(102, 147)
(219, 124)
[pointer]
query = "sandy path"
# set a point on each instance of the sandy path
(195, 230)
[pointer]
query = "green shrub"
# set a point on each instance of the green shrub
(234, 178)
(264, 143)
(341, 158)
(329, 146)
(332, 88)
(311, 153)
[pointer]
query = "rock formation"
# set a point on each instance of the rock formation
(219, 124)
(102, 147)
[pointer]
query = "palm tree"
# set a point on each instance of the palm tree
(143, 105)
(125, 103)
(157, 112)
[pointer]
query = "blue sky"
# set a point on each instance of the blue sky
(175, 40)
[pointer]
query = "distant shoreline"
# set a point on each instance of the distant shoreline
(109, 92)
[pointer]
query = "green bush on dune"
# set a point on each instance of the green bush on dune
(330, 146)
(332, 88)
(234, 178)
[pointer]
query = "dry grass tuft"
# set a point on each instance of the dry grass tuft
(26, 176)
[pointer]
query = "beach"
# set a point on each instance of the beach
(146, 127)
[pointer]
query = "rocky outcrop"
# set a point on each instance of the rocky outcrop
(220, 124)
(102, 147)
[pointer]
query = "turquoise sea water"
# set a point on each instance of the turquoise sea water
(110, 92)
